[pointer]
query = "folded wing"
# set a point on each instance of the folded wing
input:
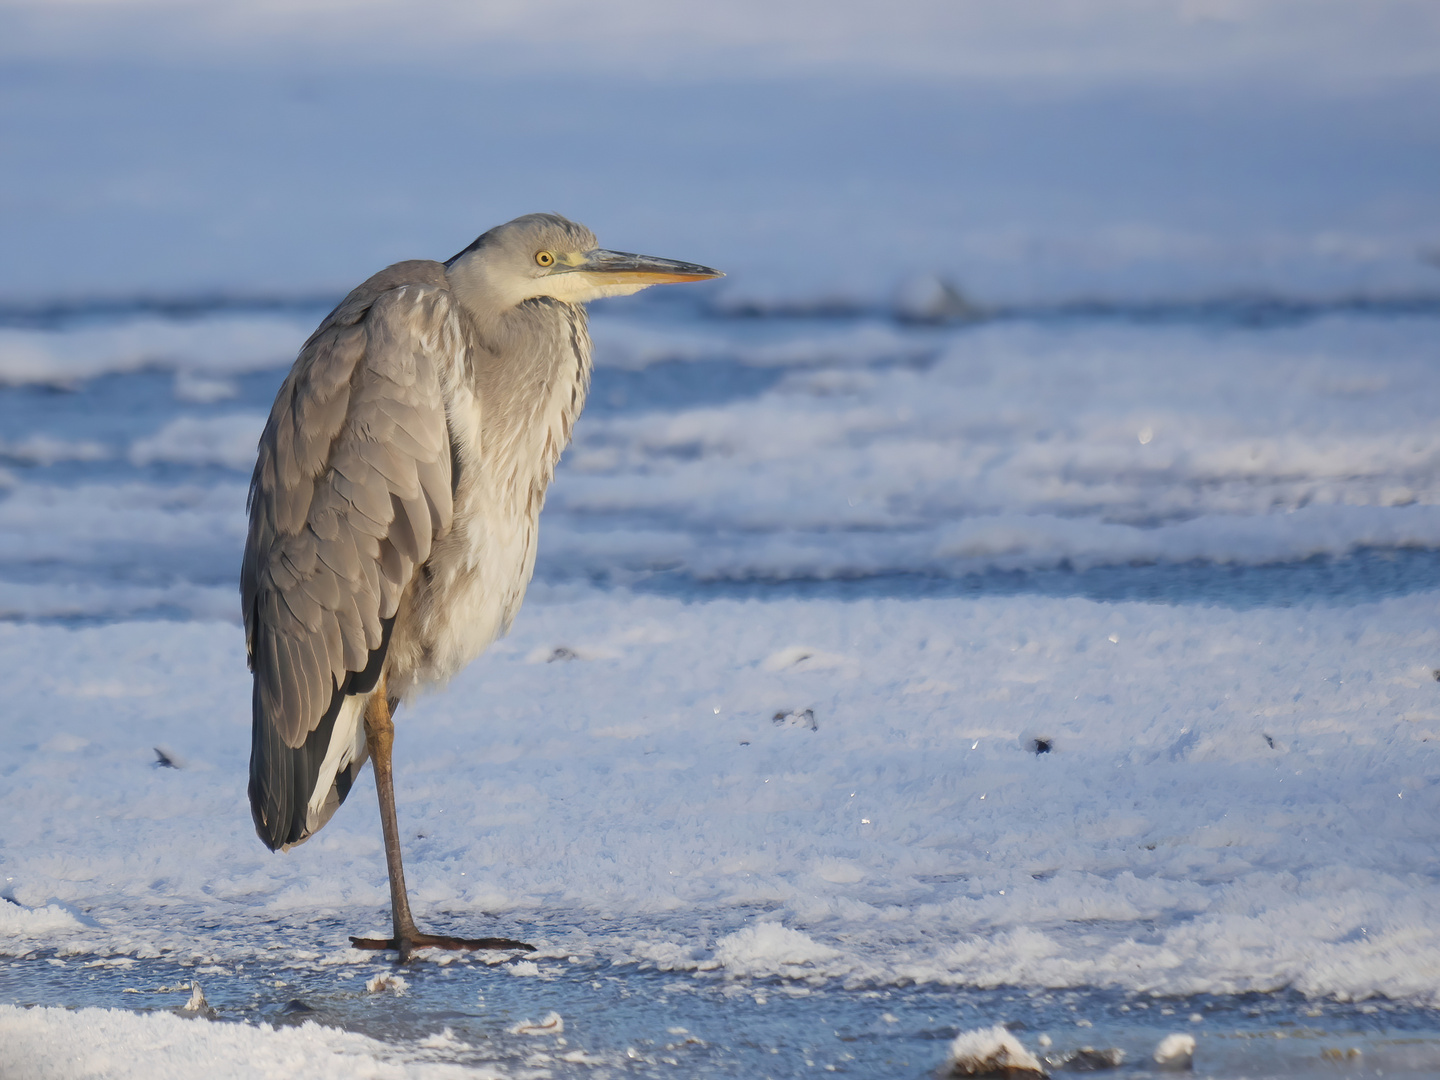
(351, 489)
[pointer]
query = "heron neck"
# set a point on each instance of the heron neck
(531, 374)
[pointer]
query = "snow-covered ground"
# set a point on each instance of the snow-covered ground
(814, 687)
(920, 675)
(53, 1044)
(1231, 800)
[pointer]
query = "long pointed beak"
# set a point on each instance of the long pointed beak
(623, 268)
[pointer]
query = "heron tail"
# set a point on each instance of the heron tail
(295, 790)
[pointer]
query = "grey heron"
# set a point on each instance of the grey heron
(395, 503)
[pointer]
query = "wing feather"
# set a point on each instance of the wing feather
(352, 487)
(403, 537)
(435, 485)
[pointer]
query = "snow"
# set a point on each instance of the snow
(47, 450)
(197, 1003)
(1019, 447)
(1175, 1051)
(85, 601)
(378, 984)
(213, 346)
(227, 440)
(90, 1044)
(814, 790)
(1233, 801)
(690, 761)
(39, 923)
(770, 949)
(844, 789)
(991, 1052)
(1023, 447)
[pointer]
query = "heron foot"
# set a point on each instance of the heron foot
(407, 944)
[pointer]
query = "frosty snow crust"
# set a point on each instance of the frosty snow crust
(1232, 801)
(1229, 801)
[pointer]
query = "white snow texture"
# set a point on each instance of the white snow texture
(1253, 788)
(991, 1051)
(110, 1044)
(842, 781)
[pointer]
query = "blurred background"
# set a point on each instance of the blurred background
(1023, 288)
(1031, 149)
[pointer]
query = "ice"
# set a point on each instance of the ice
(1088, 1059)
(198, 390)
(95, 522)
(931, 299)
(838, 790)
(89, 600)
(197, 1003)
(631, 346)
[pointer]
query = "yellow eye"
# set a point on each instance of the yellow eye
(544, 258)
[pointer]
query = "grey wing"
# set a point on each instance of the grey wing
(351, 488)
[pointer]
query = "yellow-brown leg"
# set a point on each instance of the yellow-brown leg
(380, 739)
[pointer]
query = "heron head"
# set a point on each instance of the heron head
(548, 255)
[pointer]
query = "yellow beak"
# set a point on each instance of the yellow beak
(623, 268)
